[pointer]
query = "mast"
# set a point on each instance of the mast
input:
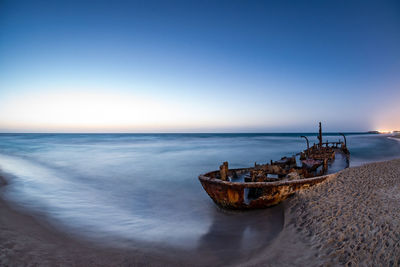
(320, 135)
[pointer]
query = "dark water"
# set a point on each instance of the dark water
(144, 187)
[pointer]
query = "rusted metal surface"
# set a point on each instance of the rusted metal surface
(266, 185)
(320, 135)
(232, 195)
(308, 143)
(223, 170)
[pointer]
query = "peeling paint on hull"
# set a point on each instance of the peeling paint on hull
(231, 195)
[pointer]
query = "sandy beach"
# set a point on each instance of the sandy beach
(352, 219)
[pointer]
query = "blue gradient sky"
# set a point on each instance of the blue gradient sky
(199, 66)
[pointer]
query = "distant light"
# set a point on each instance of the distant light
(385, 131)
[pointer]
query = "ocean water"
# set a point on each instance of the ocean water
(144, 187)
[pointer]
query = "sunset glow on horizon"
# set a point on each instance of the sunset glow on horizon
(195, 66)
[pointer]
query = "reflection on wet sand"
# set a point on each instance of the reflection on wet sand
(237, 235)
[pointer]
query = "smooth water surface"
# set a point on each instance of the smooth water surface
(144, 187)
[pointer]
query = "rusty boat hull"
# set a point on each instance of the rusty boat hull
(266, 185)
(233, 195)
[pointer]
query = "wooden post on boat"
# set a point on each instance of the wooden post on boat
(320, 135)
(223, 171)
(325, 165)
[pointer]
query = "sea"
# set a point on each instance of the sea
(143, 188)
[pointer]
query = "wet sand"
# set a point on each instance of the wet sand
(351, 219)
(27, 240)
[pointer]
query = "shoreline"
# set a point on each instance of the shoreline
(353, 218)
(29, 239)
(395, 137)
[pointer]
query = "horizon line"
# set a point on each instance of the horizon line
(330, 132)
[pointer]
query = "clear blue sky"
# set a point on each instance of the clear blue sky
(199, 66)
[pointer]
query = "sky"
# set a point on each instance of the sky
(199, 66)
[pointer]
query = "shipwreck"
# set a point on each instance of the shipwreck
(265, 185)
